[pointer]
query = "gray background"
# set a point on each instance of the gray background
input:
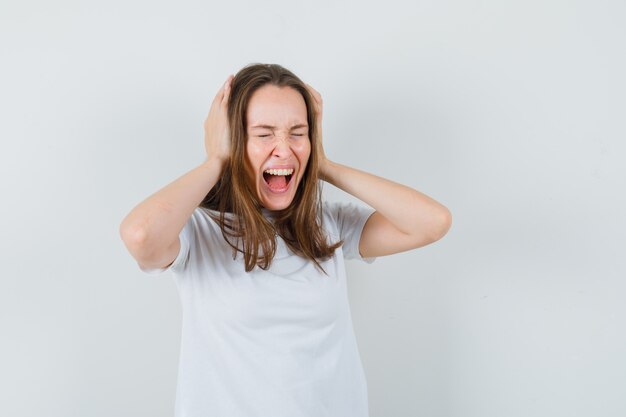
(509, 113)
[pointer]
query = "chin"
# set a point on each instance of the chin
(275, 204)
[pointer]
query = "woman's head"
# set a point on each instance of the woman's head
(272, 124)
(272, 165)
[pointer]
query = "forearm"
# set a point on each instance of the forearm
(407, 209)
(158, 220)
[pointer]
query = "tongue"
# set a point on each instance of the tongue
(277, 182)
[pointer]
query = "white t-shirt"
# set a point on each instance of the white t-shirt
(275, 343)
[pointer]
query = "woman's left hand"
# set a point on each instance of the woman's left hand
(321, 156)
(404, 218)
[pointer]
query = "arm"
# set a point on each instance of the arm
(151, 230)
(404, 218)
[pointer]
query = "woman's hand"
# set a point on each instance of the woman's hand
(216, 128)
(318, 104)
(404, 219)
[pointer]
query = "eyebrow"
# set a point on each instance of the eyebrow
(274, 127)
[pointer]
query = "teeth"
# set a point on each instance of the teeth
(279, 171)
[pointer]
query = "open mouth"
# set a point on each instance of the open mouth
(278, 179)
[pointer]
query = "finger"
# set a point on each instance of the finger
(219, 96)
(310, 87)
(226, 87)
(317, 98)
(313, 91)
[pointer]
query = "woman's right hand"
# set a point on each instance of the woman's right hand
(216, 129)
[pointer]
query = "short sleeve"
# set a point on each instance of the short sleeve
(179, 264)
(350, 220)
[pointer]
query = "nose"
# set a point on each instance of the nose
(282, 146)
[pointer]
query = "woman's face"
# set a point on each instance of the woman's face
(278, 144)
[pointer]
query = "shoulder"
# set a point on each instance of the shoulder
(329, 217)
(341, 217)
(202, 214)
(203, 222)
(345, 222)
(339, 211)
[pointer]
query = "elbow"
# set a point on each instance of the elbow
(134, 239)
(130, 234)
(442, 224)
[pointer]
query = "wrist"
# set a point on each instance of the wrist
(215, 162)
(325, 169)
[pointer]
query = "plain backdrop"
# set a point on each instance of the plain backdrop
(510, 113)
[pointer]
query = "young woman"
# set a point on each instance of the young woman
(258, 258)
